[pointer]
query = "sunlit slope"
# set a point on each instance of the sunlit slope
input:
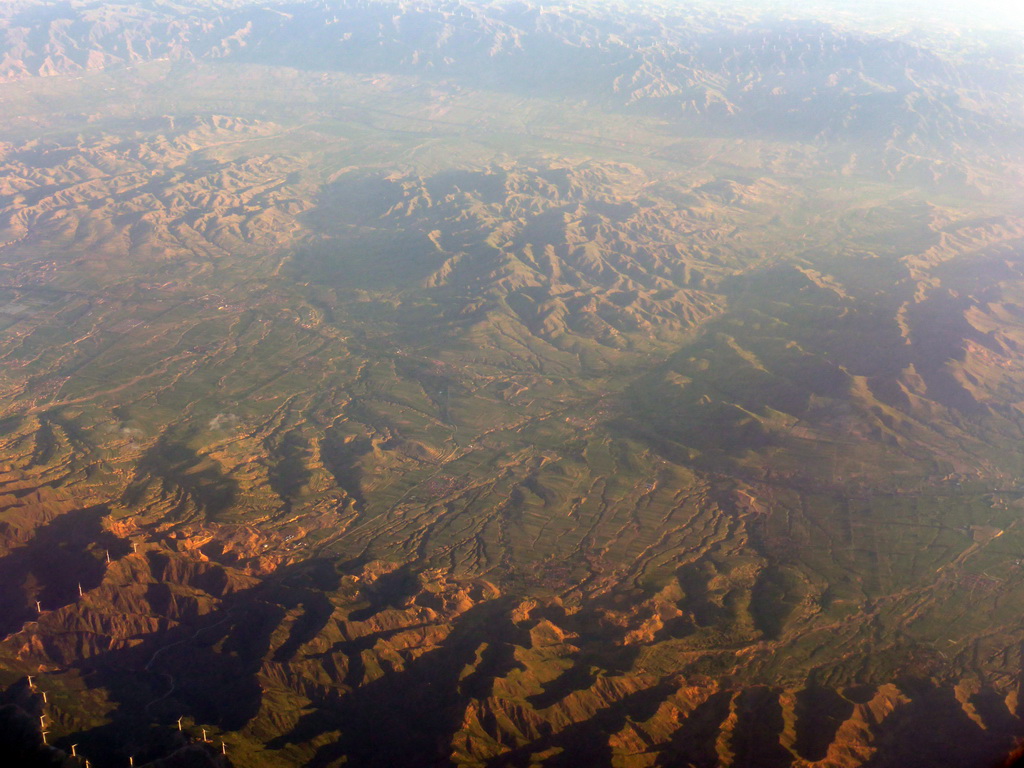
(919, 109)
(613, 392)
(914, 354)
(307, 665)
(377, 410)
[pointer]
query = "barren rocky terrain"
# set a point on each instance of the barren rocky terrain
(455, 383)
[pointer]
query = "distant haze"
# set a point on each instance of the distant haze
(983, 14)
(1004, 15)
(978, 13)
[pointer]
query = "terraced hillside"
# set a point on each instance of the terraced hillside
(490, 385)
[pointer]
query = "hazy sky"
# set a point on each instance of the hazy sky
(982, 13)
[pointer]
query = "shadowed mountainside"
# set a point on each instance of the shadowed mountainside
(493, 385)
